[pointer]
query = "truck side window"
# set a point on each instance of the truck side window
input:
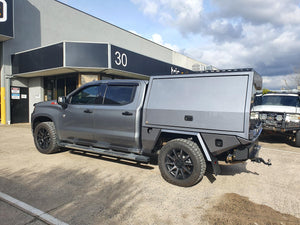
(86, 96)
(119, 95)
(101, 92)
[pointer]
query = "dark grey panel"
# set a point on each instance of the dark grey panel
(86, 55)
(39, 59)
(6, 19)
(126, 60)
(149, 139)
(212, 140)
(90, 55)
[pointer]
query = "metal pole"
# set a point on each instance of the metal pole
(2, 75)
(7, 100)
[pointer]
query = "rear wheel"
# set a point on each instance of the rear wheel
(181, 162)
(45, 138)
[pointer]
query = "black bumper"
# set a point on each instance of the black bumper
(250, 151)
(280, 129)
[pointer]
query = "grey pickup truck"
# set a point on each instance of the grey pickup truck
(189, 122)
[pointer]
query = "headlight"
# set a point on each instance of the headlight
(292, 118)
(254, 115)
(263, 116)
(279, 117)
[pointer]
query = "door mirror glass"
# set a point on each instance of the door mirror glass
(62, 100)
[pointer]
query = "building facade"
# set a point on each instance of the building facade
(48, 49)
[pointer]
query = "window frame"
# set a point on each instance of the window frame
(133, 94)
(99, 101)
(80, 90)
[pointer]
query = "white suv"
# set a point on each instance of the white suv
(279, 112)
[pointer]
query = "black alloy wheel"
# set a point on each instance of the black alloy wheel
(45, 138)
(181, 162)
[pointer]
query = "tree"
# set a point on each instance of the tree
(265, 91)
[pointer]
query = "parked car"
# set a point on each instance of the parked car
(279, 112)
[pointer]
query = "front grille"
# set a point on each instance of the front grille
(269, 119)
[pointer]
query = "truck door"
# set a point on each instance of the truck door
(76, 121)
(116, 123)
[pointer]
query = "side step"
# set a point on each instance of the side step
(108, 152)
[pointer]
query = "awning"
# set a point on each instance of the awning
(70, 57)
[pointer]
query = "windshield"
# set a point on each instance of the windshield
(280, 100)
(258, 100)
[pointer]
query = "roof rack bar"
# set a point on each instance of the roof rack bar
(225, 70)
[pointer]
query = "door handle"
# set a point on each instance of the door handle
(126, 113)
(88, 111)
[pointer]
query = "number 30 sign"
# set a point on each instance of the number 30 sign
(3, 11)
(121, 59)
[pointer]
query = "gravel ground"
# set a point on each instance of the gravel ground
(87, 189)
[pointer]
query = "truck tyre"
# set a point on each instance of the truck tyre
(181, 162)
(45, 138)
(297, 138)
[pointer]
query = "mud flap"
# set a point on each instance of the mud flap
(215, 165)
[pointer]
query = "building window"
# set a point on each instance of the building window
(62, 85)
(86, 78)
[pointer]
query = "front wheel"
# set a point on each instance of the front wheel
(181, 162)
(45, 138)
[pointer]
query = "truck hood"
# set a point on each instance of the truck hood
(48, 103)
(275, 108)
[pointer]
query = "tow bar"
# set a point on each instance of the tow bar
(260, 160)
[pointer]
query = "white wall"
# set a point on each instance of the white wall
(186, 62)
(36, 92)
(72, 25)
(44, 22)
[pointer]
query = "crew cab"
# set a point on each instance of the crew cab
(190, 122)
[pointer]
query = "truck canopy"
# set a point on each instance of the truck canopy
(210, 102)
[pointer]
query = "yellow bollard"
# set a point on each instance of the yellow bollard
(3, 111)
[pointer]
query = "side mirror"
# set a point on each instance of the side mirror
(62, 100)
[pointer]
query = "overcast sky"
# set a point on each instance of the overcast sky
(264, 35)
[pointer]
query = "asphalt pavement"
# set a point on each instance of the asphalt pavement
(74, 188)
